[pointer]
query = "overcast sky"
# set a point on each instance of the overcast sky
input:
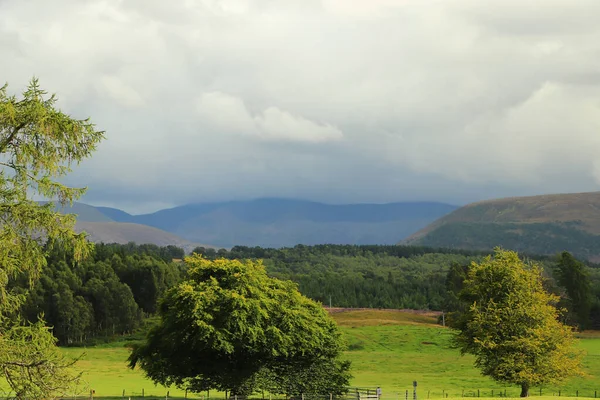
(340, 101)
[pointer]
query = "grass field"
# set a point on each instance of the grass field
(392, 349)
(387, 348)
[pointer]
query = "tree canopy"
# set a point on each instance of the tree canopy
(232, 328)
(38, 145)
(511, 324)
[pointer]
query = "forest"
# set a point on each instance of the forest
(118, 286)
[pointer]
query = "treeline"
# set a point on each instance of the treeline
(360, 276)
(107, 294)
(112, 292)
(413, 276)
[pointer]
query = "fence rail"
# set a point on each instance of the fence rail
(352, 394)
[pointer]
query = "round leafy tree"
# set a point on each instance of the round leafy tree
(511, 325)
(230, 327)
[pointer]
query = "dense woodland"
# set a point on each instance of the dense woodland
(119, 285)
(109, 293)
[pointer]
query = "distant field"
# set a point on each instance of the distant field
(389, 349)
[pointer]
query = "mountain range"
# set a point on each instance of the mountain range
(546, 224)
(262, 222)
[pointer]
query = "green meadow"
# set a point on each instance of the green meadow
(390, 349)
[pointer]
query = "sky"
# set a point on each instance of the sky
(339, 101)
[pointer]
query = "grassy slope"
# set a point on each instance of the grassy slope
(537, 224)
(389, 349)
(124, 232)
(533, 209)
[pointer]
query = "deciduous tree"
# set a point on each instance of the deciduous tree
(511, 324)
(232, 328)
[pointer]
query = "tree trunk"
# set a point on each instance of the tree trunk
(525, 390)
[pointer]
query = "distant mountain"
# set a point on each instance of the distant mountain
(100, 224)
(85, 212)
(545, 224)
(115, 214)
(124, 232)
(283, 222)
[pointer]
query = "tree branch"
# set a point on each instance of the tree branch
(10, 137)
(24, 365)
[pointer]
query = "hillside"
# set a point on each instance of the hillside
(85, 212)
(544, 224)
(124, 232)
(283, 222)
(101, 227)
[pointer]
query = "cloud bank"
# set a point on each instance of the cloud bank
(332, 100)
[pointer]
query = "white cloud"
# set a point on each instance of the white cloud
(229, 113)
(116, 90)
(276, 124)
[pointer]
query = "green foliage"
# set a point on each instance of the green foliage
(33, 365)
(102, 296)
(166, 253)
(38, 145)
(573, 276)
(363, 276)
(511, 324)
(231, 327)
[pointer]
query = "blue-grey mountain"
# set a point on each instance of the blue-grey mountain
(284, 222)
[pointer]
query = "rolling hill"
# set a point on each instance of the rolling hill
(98, 223)
(285, 222)
(544, 224)
(125, 232)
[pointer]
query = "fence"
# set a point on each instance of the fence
(353, 394)
(507, 392)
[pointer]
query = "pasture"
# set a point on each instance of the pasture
(390, 349)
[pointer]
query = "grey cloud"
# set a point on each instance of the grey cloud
(331, 100)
